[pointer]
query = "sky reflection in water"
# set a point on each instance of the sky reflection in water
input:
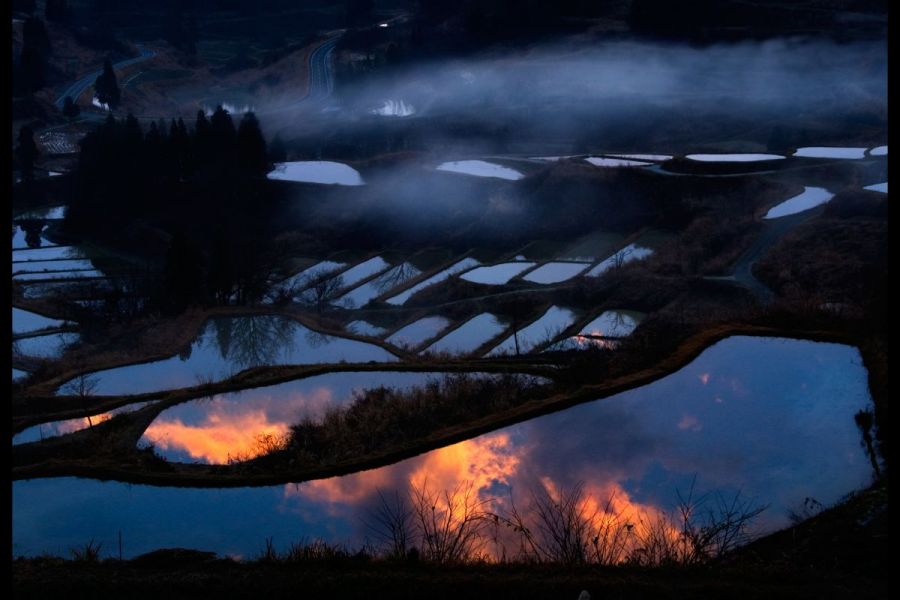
(229, 345)
(226, 426)
(770, 417)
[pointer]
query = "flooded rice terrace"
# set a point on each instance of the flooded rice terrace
(518, 257)
(769, 418)
(317, 171)
(229, 427)
(227, 345)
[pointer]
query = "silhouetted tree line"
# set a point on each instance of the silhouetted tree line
(70, 109)
(231, 268)
(106, 86)
(31, 73)
(26, 152)
(121, 159)
(204, 185)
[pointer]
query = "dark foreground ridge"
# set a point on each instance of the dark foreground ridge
(840, 553)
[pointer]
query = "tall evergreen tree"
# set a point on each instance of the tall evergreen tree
(161, 128)
(182, 145)
(35, 52)
(132, 134)
(221, 127)
(26, 152)
(221, 271)
(201, 126)
(157, 160)
(106, 87)
(33, 68)
(253, 159)
(184, 274)
(153, 136)
(201, 137)
(70, 109)
(277, 150)
(222, 153)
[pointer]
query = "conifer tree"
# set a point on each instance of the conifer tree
(106, 87)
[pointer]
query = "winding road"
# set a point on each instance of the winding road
(76, 89)
(773, 231)
(321, 73)
(321, 77)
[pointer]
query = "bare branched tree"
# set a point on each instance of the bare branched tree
(83, 386)
(621, 257)
(702, 530)
(550, 334)
(391, 524)
(395, 277)
(563, 528)
(559, 526)
(450, 524)
(865, 422)
(719, 528)
(322, 292)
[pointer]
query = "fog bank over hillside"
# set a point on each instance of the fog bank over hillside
(562, 89)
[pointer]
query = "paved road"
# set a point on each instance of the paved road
(321, 72)
(76, 89)
(321, 77)
(773, 231)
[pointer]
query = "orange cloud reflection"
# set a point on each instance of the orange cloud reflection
(483, 461)
(219, 438)
(690, 422)
(72, 425)
(594, 338)
(621, 524)
(233, 427)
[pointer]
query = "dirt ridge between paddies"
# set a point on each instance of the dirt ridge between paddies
(73, 407)
(187, 329)
(193, 475)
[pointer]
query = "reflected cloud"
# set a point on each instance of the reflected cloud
(217, 440)
(234, 426)
(253, 341)
(485, 462)
(245, 424)
(689, 422)
(629, 450)
(772, 440)
(230, 344)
